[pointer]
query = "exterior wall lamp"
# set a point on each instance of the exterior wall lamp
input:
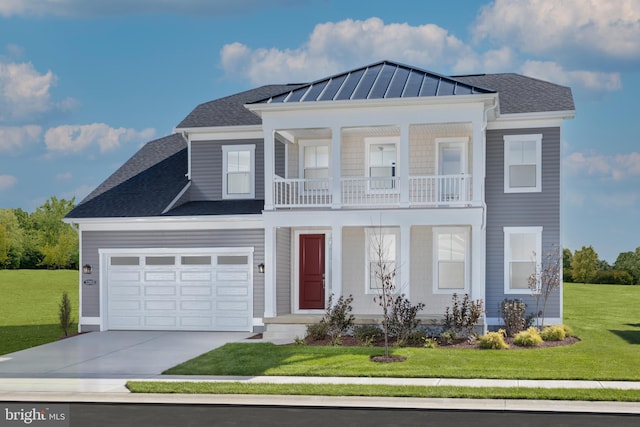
(261, 268)
(86, 269)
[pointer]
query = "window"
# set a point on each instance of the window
(315, 165)
(450, 261)
(381, 162)
(238, 177)
(522, 163)
(383, 254)
(521, 245)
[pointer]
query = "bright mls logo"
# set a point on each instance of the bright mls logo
(45, 415)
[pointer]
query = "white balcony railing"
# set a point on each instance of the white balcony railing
(435, 190)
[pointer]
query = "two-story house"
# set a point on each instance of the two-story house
(264, 203)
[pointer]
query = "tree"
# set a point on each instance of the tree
(385, 275)
(57, 241)
(567, 257)
(583, 265)
(629, 262)
(11, 239)
(545, 282)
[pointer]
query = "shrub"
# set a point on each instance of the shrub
(318, 331)
(553, 333)
(462, 317)
(64, 313)
(402, 318)
(512, 313)
(338, 317)
(567, 331)
(448, 337)
(367, 334)
(493, 340)
(529, 338)
(430, 343)
(414, 338)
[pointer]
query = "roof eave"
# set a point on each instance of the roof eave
(538, 115)
(487, 98)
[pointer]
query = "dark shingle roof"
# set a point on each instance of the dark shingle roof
(522, 94)
(381, 80)
(230, 110)
(220, 207)
(144, 186)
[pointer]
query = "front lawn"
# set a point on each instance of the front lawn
(29, 306)
(604, 317)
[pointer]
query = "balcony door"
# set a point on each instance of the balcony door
(452, 167)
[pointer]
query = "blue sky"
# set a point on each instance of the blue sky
(83, 84)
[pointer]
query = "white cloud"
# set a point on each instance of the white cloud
(581, 29)
(15, 138)
(128, 7)
(65, 176)
(617, 167)
(336, 46)
(590, 80)
(76, 138)
(7, 181)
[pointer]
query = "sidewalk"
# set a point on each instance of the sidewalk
(113, 390)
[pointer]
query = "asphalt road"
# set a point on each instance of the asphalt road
(159, 415)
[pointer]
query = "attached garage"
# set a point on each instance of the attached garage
(178, 289)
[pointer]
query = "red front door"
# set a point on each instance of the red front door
(311, 272)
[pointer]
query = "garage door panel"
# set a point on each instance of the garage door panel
(160, 276)
(150, 290)
(160, 305)
(195, 276)
(207, 291)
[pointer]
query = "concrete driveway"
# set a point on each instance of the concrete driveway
(122, 354)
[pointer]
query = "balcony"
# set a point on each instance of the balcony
(373, 192)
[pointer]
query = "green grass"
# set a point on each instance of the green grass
(449, 392)
(604, 317)
(29, 306)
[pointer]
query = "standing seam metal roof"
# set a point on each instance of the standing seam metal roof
(381, 80)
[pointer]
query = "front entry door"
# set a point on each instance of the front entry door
(312, 272)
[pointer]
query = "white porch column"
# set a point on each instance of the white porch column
(336, 168)
(405, 260)
(270, 271)
(478, 166)
(336, 260)
(269, 168)
(403, 166)
(478, 264)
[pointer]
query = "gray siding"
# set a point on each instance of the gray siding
(206, 169)
(283, 272)
(520, 210)
(280, 158)
(92, 241)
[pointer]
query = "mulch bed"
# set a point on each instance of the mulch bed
(350, 341)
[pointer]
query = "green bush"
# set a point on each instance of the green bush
(493, 340)
(367, 334)
(529, 338)
(338, 317)
(64, 313)
(430, 342)
(567, 331)
(553, 333)
(318, 331)
(414, 338)
(463, 315)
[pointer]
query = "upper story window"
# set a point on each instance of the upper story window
(238, 178)
(381, 162)
(522, 163)
(315, 164)
(450, 268)
(383, 256)
(521, 246)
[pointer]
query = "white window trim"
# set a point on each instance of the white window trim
(508, 139)
(379, 140)
(508, 231)
(370, 233)
(252, 173)
(302, 144)
(467, 264)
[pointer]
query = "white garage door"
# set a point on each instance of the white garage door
(209, 290)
